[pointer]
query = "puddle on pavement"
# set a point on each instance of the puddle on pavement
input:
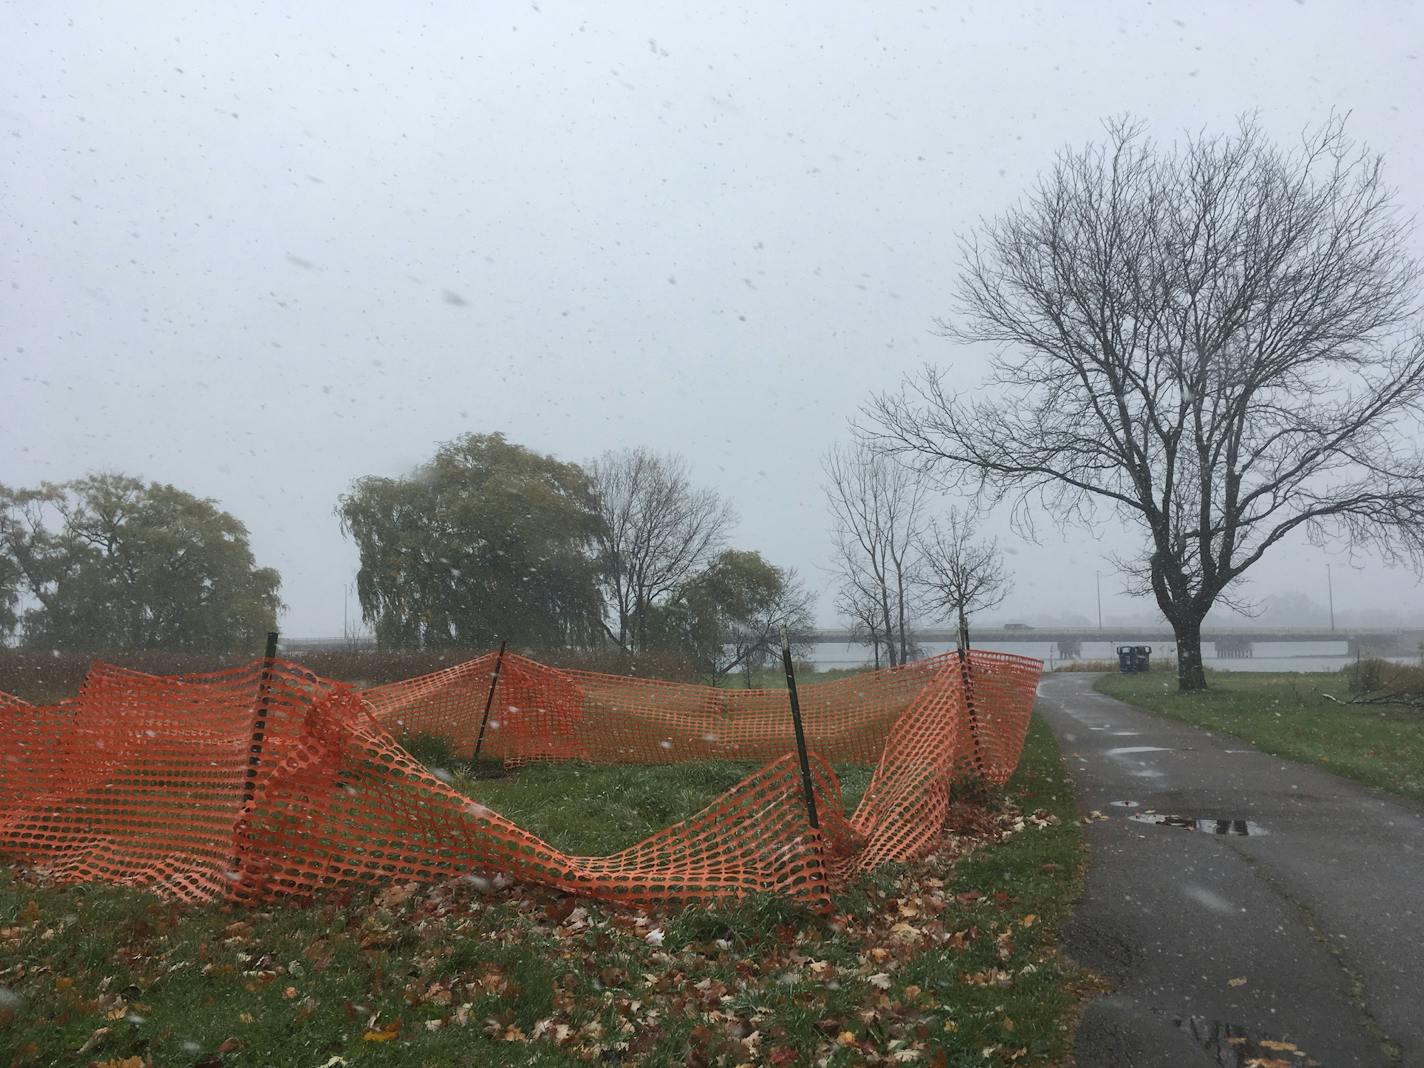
(1124, 750)
(1123, 804)
(1241, 828)
(1236, 1047)
(1209, 900)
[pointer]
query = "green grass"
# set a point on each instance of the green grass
(471, 974)
(591, 810)
(1287, 714)
(596, 809)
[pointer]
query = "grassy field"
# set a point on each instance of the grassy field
(1289, 715)
(950, 961)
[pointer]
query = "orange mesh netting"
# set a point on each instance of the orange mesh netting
(266, 780)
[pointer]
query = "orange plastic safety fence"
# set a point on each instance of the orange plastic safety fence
(265, 781)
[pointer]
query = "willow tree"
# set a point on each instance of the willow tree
(1217, 343)
(108, 563)
(487, 540)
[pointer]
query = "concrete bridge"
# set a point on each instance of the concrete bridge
(1384, 640)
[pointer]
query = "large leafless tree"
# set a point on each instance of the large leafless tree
(960, 573)
(858, 601)
(658, 531)
(875, 504)
(1217, 341)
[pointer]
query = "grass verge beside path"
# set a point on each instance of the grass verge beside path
(950, 961)
(1379, 745)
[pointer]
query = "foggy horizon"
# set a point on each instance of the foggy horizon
(259, 256)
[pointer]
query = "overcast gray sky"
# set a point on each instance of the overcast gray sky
(260, 252)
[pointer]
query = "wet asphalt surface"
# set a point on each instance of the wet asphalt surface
(1307, 932)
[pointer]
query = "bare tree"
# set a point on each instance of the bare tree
(875, 503)
(858, 601)
(753, 640)
(1218, 343)
(657, 533)
(961, 575)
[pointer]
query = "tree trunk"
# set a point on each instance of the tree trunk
(1190, 673)
(889, 627)
(900, 611)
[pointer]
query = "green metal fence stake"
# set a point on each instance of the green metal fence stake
(800, 732)
(489, 698)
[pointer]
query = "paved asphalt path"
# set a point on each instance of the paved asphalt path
(1322, 915)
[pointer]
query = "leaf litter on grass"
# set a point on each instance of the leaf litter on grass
(761, 981)
(482, 969)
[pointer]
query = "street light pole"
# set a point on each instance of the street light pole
(1330, 586)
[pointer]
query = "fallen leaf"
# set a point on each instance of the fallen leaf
(560, 909)
(394, 896)
(1237, 982)
(385, 1034)
(93, 1040)
(1286, 1047)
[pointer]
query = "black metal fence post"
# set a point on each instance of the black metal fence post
(489, 698)
(968, 684)
(800, 732)
(259, 718)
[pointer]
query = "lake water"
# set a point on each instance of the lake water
(1269, 656)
